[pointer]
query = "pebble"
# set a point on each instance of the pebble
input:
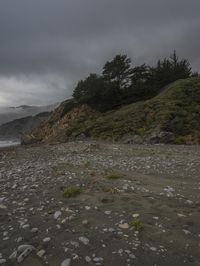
(84, 240)
(107, 212)
(13, 255)
(88, 259)
(57, 214)
(2, 261)
(46, 239)
(34, 230)
(25, 253)
(66, 262)
(41, 253)
(124, 226)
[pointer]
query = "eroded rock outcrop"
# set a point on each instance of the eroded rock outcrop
(58, 127)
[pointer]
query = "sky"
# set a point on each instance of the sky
(47, 46)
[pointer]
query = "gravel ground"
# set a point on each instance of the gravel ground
(157, 188)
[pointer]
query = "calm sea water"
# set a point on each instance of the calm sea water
(8, 143)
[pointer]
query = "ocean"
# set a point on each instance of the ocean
(8, 143)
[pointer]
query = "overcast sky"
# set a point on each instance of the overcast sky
(46, 46)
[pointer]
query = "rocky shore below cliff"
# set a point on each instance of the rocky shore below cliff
(95, 203)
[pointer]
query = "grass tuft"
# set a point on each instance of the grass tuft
(71, 192)
(137, 225)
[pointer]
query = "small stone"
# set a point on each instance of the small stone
(186, 232)
(84, 222)
(181, 215)
(87, 208)
(34, 230)
(26, 226)
(88, 259)
(41, 253)
(13, 255)
(2, 261)
(22, 248)
(155, 218)
(25, 253)
(153, 248)
(2, 206)
(135, 215)
(57, 214)
(46, 239)
(66, 262)
(107, 212)
(124, 226)
(19, 239)
(84, 240)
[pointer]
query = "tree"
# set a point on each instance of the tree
(89, 90)
(118, 71)
(95, 92)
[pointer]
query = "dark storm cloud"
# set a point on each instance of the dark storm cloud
(53, 43)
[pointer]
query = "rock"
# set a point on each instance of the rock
(186, 232)
(46, 239)
(25, 253)
(85, 222)
(124, 226)
(41, 253)
(135, 215)
(34, 230)
(107, 212)
(13, 256)
(22, 248)
(88, 259)
(2, 206)
(84, 240)
(181, 215)
(153, 248)
(57, 214)
(66, 262)
(2, 261)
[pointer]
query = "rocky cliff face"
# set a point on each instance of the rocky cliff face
(15, 128)
(57, 128)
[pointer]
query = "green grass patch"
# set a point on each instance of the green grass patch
(71, 192)
(137, 225)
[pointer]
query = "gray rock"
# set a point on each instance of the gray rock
(66, 262)
(57, 214)
(2, 261)
(25, 253)
(84, 240)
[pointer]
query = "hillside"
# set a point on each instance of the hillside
(173, 116)
(8, 114)
(15, 128)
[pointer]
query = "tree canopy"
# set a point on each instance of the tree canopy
(121, 83)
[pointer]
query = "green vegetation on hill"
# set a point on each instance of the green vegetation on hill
(173, 116)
